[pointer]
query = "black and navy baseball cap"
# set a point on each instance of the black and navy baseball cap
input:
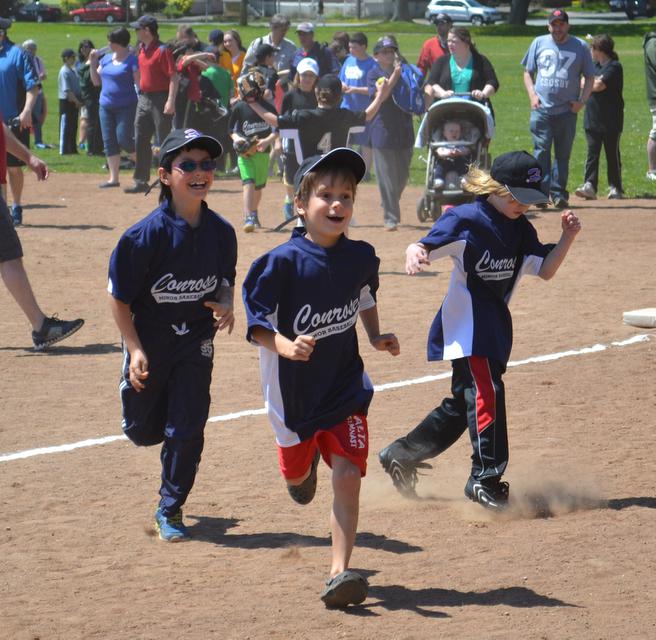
(339, 157)
(264, 50)
(179, 138)
(331, 82)
(386, 42)
(67, 53)
(145, 21)
(558, 14)
(5, 23)
(521, 174)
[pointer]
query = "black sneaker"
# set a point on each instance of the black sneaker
(560, 203)
(401, 468)
(54, 330)
(137, 187)
(491, 494)
(304, 493)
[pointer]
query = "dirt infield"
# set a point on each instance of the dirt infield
(78, 556)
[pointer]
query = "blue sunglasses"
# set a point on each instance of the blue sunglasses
(189, 166)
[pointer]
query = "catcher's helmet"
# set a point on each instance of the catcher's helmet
(251, 85)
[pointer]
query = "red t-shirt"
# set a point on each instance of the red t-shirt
(3, 155)
(156, 66)
(193, 73)
(431, 51)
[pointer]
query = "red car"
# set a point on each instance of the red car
(98, 12)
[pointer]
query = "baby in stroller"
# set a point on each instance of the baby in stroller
(454, 154)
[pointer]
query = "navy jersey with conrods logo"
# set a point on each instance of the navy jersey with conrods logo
(318, 131)
(301, 288)
(490, 253)
(165, 269)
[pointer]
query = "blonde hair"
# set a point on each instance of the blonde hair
(481, 183)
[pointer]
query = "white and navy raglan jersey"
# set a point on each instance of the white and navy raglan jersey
(165, 270)
(318, 131)
(490, 253)
(301, 288)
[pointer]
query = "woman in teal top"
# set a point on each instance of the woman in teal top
(465, 70)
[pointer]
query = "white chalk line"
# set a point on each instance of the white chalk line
(94, 442)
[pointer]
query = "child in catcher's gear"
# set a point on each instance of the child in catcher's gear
(302, 301)
(252, 138)
(171, 285)
(492, 244)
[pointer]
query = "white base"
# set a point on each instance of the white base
(640, 317)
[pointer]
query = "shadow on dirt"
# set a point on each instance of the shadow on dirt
(396, 597)
(215, 530)
(62, 350)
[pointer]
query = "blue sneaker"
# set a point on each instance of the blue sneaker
(17, 215)
(288, 210)
(171, 529)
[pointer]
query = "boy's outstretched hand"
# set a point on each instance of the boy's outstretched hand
(223, 315)
(386, 342)
(570, 223)
(416, 257)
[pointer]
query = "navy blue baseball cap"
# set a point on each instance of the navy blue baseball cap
(179, 138)
(339, 157)
(521, 174)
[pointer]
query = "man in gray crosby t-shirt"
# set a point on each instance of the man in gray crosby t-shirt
(553, 67)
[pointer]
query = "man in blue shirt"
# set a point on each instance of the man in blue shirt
(16, 72)
(310, 48)
(553, 67)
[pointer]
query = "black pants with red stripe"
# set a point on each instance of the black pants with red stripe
(478, 403)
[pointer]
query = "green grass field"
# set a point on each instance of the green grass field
(503, 44)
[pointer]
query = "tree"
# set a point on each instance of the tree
(243, 13)
(518, 11)
(401, 11)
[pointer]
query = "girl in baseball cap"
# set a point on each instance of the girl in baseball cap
(492, 245)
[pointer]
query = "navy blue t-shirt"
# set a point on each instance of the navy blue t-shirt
(165, 270)
(490, 253)
(301, 288)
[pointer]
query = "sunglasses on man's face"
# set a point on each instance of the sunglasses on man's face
(189, 166)
(3, 32)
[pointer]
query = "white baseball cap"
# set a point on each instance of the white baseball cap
(308, 64)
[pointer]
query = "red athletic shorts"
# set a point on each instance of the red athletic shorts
(348, 439)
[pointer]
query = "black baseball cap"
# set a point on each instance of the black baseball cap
(441, 17)
(332, 82)
(339, 157)
(264, 50)
(67, 53)
(521, 174)
(5, 23)
(145, 21)
(179, 138)
(558, 14)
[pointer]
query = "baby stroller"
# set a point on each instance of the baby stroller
(477, 129)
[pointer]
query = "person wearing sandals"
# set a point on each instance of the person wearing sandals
(604, 119)
(117, 73)
(302, 302)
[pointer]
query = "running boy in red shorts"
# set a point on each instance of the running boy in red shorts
(302, 301)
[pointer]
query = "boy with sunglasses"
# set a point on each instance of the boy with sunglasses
(171, 285)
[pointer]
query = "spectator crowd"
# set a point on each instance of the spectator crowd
(121, 100)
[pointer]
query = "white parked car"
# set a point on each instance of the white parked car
(464, 11)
